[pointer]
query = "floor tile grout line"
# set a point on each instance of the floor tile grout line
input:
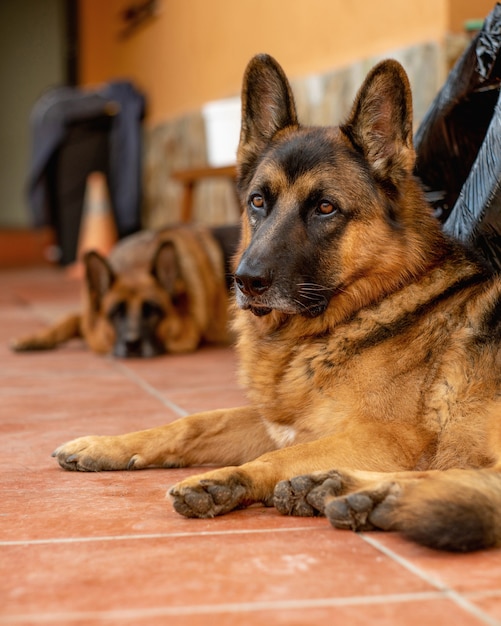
(450, 593)
(149, 388)
(244, 607)
(173, 535)
(462, 601)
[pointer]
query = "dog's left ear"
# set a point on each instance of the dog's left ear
(267, 107)
(99, 277)
(165, 266)
(380, 123)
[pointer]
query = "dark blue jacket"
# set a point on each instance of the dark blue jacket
(61, 106)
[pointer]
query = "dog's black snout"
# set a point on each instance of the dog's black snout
(252, 285)
(133, 346)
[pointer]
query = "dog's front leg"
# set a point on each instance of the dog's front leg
(222, 490)
(221, 437)
(48, 338)
(182, 334)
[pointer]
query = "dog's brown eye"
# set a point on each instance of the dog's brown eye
(257, 201)
(326, 207)
(151, 309)
(118, 310)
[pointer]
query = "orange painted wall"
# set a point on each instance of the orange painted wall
(462, 10)
(195, 51)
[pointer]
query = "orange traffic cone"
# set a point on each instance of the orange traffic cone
(97, 229)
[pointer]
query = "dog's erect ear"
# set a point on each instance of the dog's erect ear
(267, 107)
(165, 266)
(380, 123)
(99, 277)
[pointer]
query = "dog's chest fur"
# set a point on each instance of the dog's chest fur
(394, 362)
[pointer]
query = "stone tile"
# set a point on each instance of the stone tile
(462, 572)
(195, 571)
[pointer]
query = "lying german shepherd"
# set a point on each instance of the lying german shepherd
(158, 291)
(369, 341)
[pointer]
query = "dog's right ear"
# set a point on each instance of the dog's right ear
(165, 267)
(267, 107)
(380, 123)
(99, 277)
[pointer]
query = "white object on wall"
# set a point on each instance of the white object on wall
(222, 129)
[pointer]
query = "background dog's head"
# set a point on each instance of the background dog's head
(329, 213)
(130, 308)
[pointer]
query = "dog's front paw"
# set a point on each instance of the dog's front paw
(210, 494)
(96, 454)
(305, 496)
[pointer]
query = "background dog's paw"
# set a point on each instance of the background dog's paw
(17, 345)
(28, 344)
(205, 497)
(95, 454)
(364, 510)
(305, 495)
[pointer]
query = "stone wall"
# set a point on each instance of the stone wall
(321, 99)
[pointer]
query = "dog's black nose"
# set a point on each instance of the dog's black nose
(252, 285)
(133, 347)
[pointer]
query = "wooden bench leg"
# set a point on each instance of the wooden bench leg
(187, 202)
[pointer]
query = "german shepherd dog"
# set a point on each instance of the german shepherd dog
(369, 341)
(158, 291)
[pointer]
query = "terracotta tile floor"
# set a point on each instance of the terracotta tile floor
(107, 548)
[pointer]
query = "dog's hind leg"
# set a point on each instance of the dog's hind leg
(456, 510)
(48, 338)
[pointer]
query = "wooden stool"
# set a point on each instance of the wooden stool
(188, 178)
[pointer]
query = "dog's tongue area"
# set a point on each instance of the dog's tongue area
(260, 311)
(313, 311)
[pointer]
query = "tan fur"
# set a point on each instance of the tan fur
(179, 269)
(369, 342)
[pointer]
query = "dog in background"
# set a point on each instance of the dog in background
(158, 291)
(369, 341)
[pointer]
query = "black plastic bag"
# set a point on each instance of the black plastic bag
(458, 145)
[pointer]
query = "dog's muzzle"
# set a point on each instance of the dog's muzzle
(250, 289)
(258, 299)
(142, 347)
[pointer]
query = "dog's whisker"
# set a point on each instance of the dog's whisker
(308, 296)
(300, 304)
(312, 287)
